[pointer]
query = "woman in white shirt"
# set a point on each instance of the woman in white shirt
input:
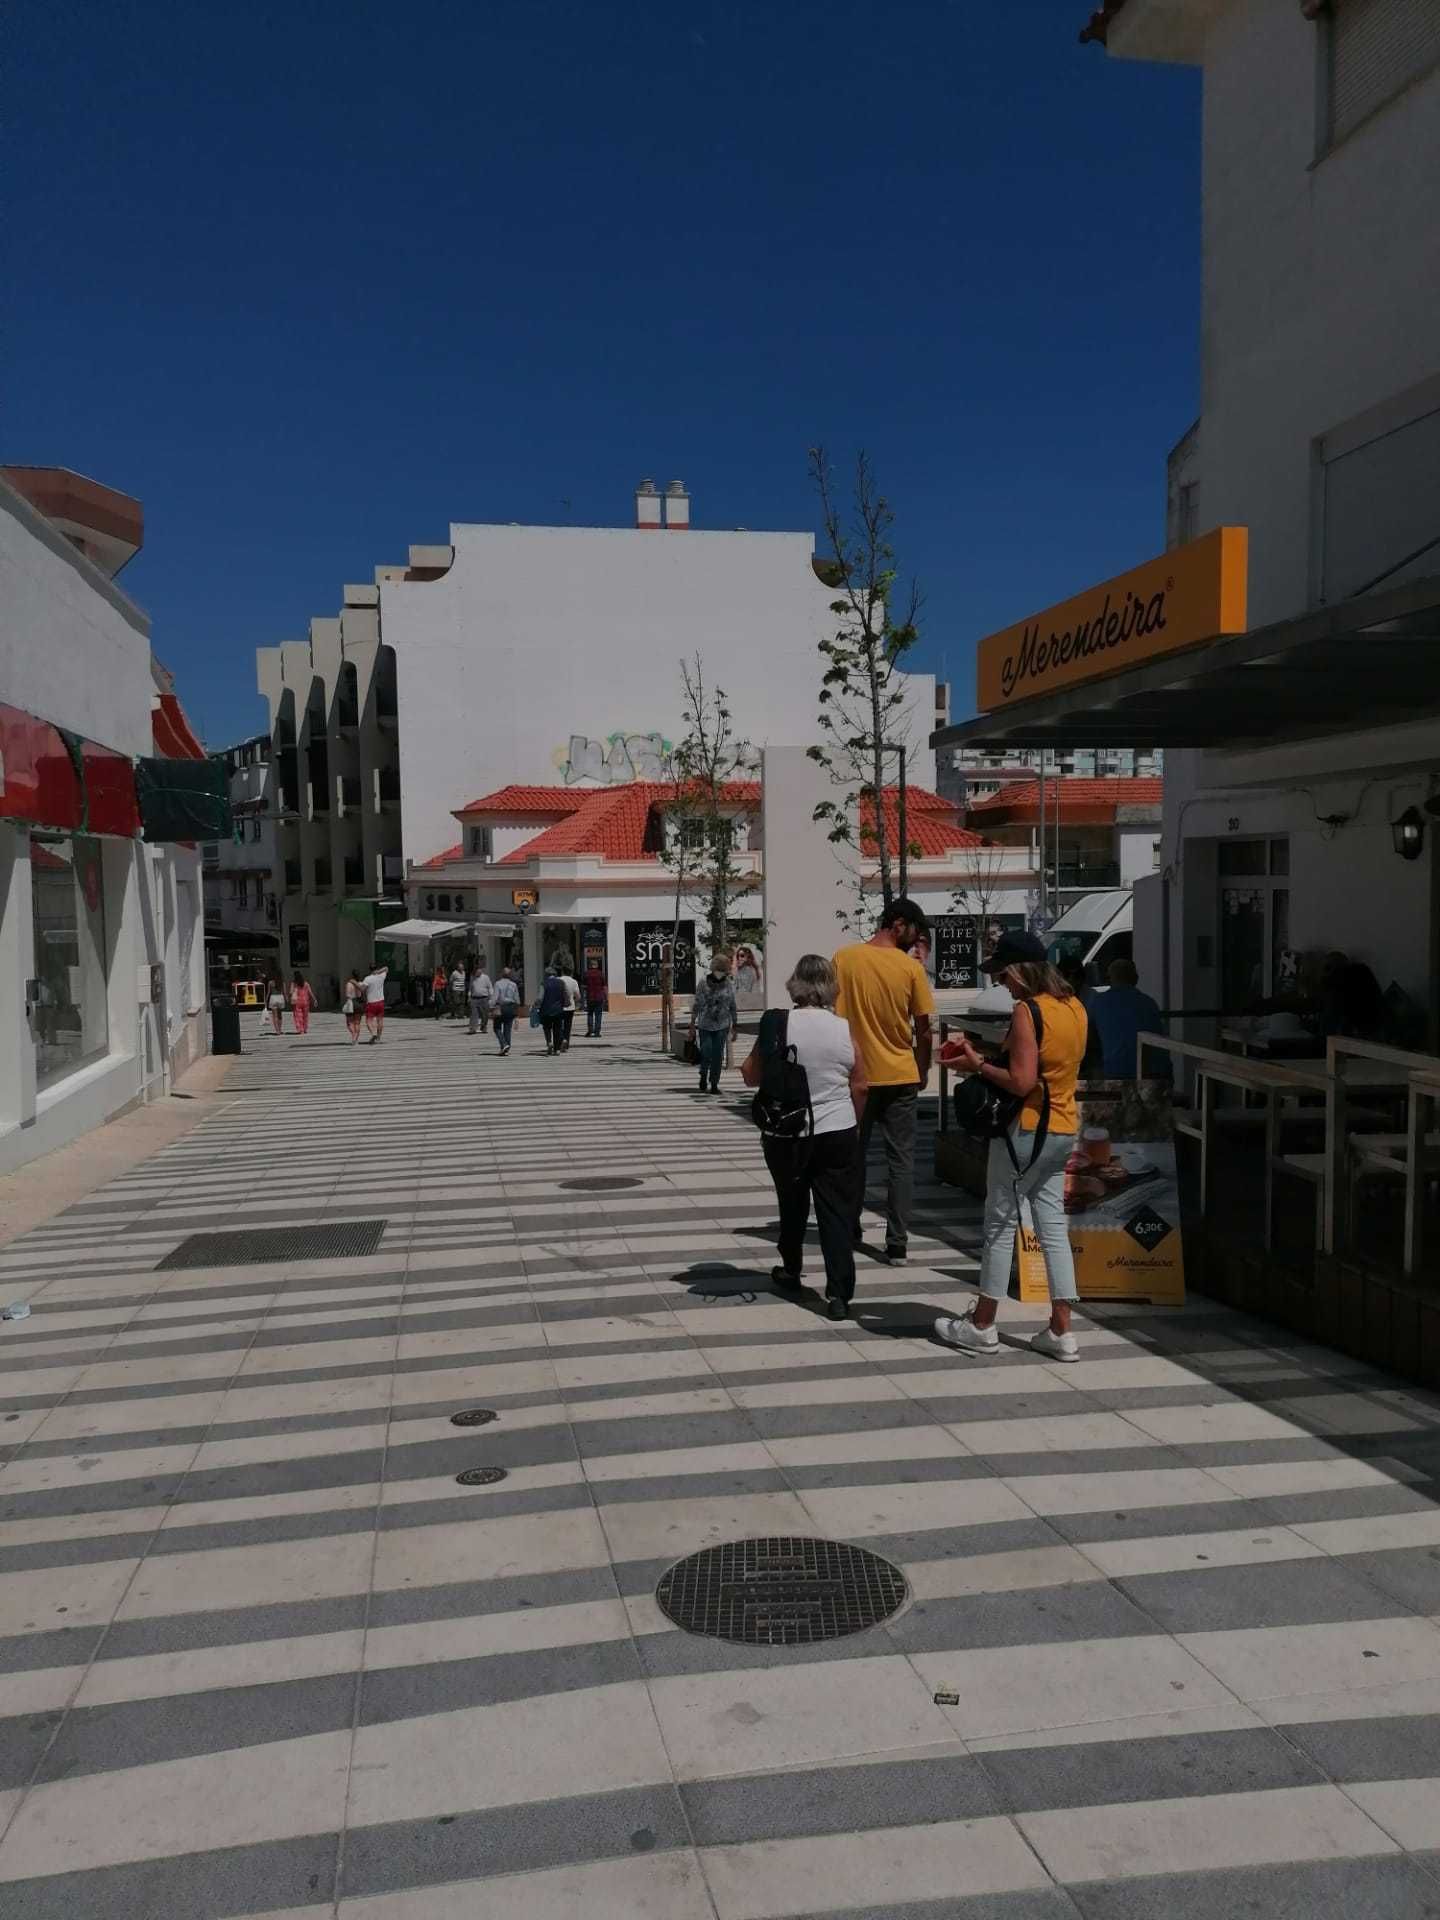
(824, 1167)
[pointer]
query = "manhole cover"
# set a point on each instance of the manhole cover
(474, 1417)
(480, 1476)
(253, 1246)
(601, 1184)
(781, 1592)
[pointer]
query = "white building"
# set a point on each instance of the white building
(529, 656)
(1302, 731)
(102, 973)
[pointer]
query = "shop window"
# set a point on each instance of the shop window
(69, 1015)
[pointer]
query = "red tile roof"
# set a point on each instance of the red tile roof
(552, 802)
(613, 823)
(1081, 801)
(443, 859)
(931, 824)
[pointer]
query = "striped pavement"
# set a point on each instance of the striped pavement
(260, 1653)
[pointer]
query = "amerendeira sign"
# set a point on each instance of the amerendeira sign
(1181, 599)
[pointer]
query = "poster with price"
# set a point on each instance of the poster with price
(1122, 1200)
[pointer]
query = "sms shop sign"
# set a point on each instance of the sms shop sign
(645, 944)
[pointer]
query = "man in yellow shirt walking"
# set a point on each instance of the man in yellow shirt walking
(886, 998)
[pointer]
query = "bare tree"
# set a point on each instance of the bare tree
(862, 715)
(701, 830)
(982, 866)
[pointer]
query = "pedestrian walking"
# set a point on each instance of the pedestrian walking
(552, 1011)
(887, 1000)
(713, 1019)
(482, 991)
(1044, 1048)
(354, 1006)
(597, 1001)
(373, 987)
(824, 1167)
(439, 991)
(1117, 1019)
(275, 1003)
(572, 1004)
(302, 1001)
(507, 1005)
(457, 990)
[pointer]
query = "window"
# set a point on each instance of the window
(67, 998)
(1254, 919)
(1371, 50)
(255, 825)
(1374, 521)
(480, 843)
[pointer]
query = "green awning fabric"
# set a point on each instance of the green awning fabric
(183, 799)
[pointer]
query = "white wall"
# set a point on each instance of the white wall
(73, 650)
(1136, 852)
(1320, 279)
(536, 634)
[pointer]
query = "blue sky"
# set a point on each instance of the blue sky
(314, 280)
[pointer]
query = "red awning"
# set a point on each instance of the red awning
(53, 779)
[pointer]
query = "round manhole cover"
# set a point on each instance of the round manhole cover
(480, 1476)
(474, 1417)
(602, 1183)
(781, 1592)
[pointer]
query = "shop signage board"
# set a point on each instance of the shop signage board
(645, 944)
(956, 959)
(1182, 599)
(1122, 1200)
(593, 945)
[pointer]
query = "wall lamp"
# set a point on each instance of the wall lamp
(1408, 833)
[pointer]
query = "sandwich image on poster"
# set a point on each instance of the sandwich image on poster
(1122, 1199)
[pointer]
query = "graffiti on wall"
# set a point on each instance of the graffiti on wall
(619, 758)
(616, 760)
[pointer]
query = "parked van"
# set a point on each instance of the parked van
(1098, 929)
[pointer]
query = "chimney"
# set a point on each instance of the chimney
(677, 507)
(647, 507)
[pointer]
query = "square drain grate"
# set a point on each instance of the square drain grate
(254, 1246)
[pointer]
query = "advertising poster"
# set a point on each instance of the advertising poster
(645, 943)
(1122, 1200)
(956, 960)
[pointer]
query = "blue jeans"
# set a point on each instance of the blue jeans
(504, 1021)
(711, 1042)
(593, 1017)
(1043, 1185)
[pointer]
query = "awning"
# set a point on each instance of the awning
(1371, 661)
(52, 778)
(184, 799)
(417, 932)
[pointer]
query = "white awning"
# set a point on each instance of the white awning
(417, 932)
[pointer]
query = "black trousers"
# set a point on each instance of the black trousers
(893, 1110)
(554, 1029)
(824, 1170)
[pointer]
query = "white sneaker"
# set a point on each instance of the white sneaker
(962, 1333)
(1056, 1346)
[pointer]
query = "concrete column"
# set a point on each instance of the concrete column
(17, 965)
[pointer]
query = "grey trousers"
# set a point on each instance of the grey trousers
(891, 1110)
(1043, 1185)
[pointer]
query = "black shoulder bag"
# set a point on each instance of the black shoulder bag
(988, 1112)
(781, 1107)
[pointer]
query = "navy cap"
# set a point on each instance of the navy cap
(1015, 949)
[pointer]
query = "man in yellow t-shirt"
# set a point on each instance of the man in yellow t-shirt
(886, 998)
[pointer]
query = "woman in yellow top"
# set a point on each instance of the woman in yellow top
(1019, 963)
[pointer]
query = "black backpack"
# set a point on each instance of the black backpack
(781, 1107)
(988, 1112)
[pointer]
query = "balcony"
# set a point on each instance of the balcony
(292, 876)
(354, 872)
(351, 791)
(1088, 875)
(387, 786)
(324, 877)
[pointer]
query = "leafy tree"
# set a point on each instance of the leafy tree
(862, 701)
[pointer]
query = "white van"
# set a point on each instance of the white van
(1098, 929)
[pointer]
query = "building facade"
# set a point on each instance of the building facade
(520, 655)
(242, 914)
(102, 971)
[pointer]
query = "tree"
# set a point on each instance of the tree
(700, 845)
(862, 706)
(973, 898)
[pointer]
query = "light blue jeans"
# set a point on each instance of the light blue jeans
(1043, 1185)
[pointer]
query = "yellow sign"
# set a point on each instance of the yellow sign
(1180, 600)
(525, 898)
(1122, 1200)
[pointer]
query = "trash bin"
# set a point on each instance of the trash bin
(224, 1024)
